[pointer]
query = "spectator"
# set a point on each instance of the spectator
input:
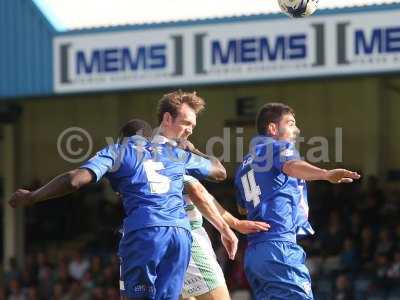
(385, 242)
(333, 240)
(371, 210)
(13, 272)
(15, 291)
(76, 292)
(355, 224)
(87, 281)
(62, 274)
(112, 294)
(343, 290)
(32, 293)
(349, 257)
(78, 267)
(367, 248)
(43, 264)
(58, 291)
(98, 293)
(46, 282)
(27, 279)
(381, 271)
(394, 269)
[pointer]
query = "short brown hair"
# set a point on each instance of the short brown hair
(271, 113)
(173, 101)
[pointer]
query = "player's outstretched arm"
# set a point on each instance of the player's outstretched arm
(242, 226)
(61, 185)
(303, 170)
(200, 197)
(218, 172)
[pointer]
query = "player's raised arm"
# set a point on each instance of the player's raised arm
(216, 171)
(303, 170)
(66, 183)
(201, 198)
(287, 159)
(61, 185)
(242, 226)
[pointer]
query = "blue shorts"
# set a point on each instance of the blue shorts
(153, 262)
(276, 270)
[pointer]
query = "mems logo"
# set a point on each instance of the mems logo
(79, 64)
(367, 45)
(110, 60)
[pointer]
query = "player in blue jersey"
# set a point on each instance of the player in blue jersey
(204, 278)
(156, 242)
(271, 188)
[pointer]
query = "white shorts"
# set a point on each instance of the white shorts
(204, 273)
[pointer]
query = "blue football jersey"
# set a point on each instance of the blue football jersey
(149, 178)
(270, 195)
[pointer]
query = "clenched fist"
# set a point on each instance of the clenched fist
(21, 198)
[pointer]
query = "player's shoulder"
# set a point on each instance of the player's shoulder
(264, 144)
(132, 147)
(266, 141)
(244, 166)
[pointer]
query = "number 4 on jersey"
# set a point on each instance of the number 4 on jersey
(252, 191)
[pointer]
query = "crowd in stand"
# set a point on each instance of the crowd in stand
(67, 277)
(355, 253)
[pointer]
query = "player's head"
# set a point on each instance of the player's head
(135, 127)
(277, 121)
(177, 113)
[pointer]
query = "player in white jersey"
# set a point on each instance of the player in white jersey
(204, 278)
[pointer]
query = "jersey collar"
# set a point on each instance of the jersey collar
(160, 139)
(261, 139)
(138, 138)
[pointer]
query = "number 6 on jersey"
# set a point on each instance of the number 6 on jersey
(252, 191)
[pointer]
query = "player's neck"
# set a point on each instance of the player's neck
(164, 132)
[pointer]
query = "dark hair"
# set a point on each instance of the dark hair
(135, 127)
(173, 101)
(271, 113)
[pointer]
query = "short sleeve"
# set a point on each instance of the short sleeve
(197, 166)
(284, 152)
(106, 160)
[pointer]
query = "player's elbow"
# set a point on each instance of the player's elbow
(72, 180)
(78, 178)
(218, 172)
(289, 168)
(197, 193)
(220, 175)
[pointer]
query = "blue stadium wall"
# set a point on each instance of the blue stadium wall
(25, 50)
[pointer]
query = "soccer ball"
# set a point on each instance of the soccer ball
(298, 8)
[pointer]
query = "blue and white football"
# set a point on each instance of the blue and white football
(298, 8)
